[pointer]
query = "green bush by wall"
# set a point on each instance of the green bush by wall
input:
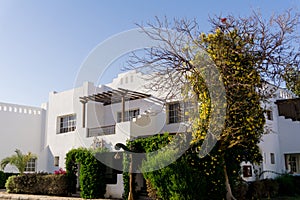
(3, 177)
(38, 184)
(92, 173)
(183, 179)
(283, 185)
(288, 185)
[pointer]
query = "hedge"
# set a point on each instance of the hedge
(3, 177)
(92, 172)
(179, 180)
(38, 184)
(283, 185)
(288, 185)
(189, 177)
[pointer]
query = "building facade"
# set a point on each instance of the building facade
(123, 110)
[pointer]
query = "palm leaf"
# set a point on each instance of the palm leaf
(19, 160)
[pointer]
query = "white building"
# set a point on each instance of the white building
(124, 110)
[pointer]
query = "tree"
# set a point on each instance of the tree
(248, 53)
(19, 160)
(244, 120)
(292, 78)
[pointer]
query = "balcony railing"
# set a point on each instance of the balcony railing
(100, 131)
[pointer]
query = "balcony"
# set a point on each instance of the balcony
(100, 131)
(289, 108)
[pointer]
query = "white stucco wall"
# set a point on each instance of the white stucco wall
(281, 136)
(67, 103)
(22, 127)
(289, 134)
(289, 137)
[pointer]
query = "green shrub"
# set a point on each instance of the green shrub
(126, 160)
(3, 177)
(271, 187)
(287, 185)
(265, 188)
(240, 189)
(72, 169)
(297, 184)
(38, 184)
(182, 179)
(10, 185)
(92, 173)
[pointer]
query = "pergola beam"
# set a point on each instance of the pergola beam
(113, 96)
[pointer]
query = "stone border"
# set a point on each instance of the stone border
(4, 195)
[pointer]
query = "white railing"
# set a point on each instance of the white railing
(103, 130)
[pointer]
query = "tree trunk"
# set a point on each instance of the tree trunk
(130, 195)
(229, 195)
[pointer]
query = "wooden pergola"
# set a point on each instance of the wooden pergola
(113, 96)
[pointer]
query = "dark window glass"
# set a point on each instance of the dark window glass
(272, 157)
(247, 171)
(67, 123)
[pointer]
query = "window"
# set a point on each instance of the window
(174, 113)
(30, 167)
(272, 157)
(129, 115)
(56, 161)
(247, 171)
(269, 115)
(67, 123)
(179, 112)
(292, 162)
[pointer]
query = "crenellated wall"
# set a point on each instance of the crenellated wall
(22, 127)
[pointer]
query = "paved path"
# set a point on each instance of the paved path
(4, 195)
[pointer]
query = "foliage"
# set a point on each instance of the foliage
(248, 52)
(283, 185)
(263, 188)
(244, 120)
(288, 185)
(240, 189)
(72, 169)
(92, 173)
(187, 178)
(38, 184)
(292, 78)
(19, 160)
(3, 177)
(126, 160)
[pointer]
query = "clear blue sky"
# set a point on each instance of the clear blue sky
(44, 43)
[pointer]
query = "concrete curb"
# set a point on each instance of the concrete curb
(4, 196)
